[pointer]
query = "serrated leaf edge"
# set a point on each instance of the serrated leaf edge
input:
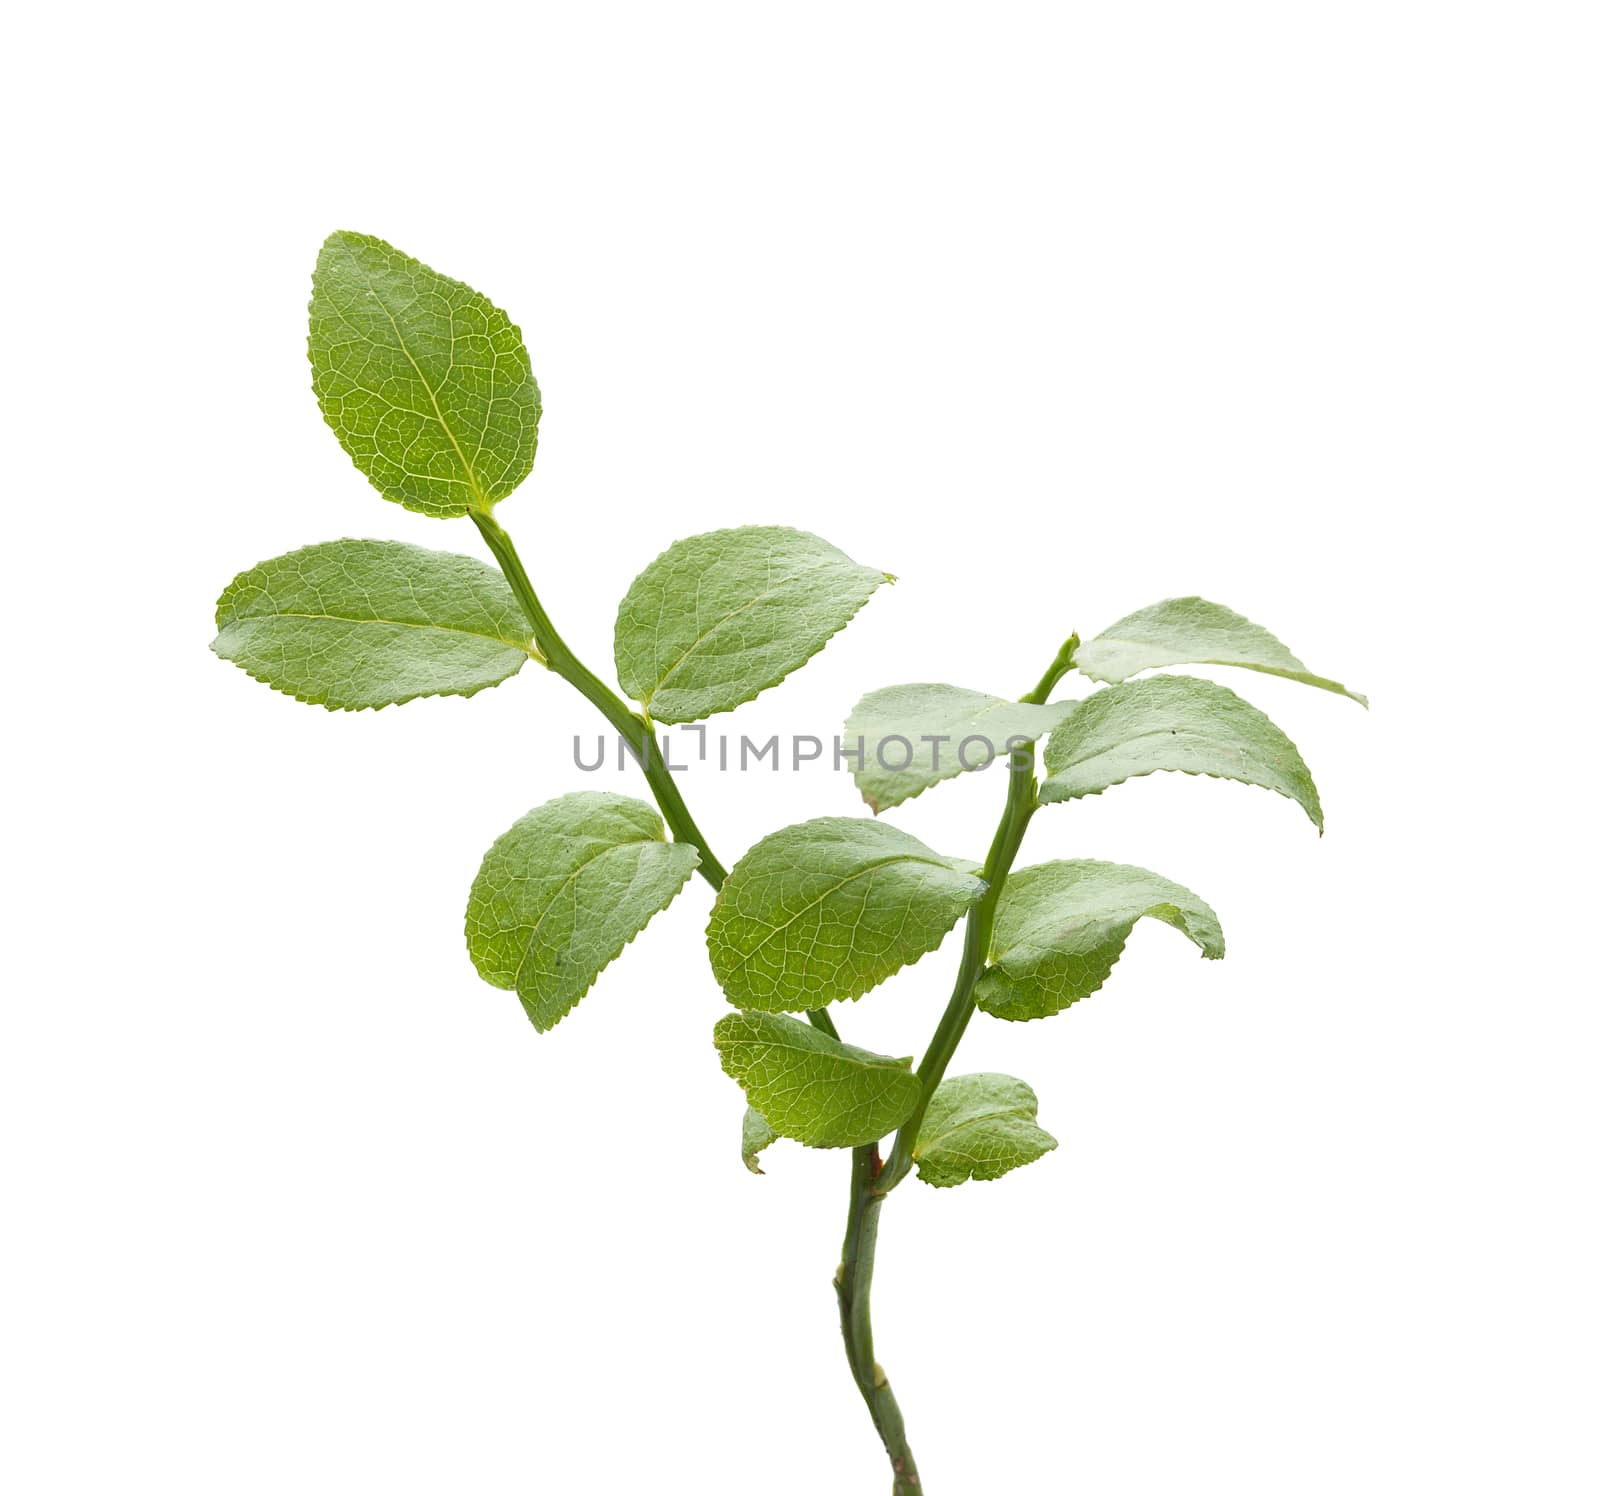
(487, 685)
(1045, 799)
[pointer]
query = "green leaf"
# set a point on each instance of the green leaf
(1060, 927)
(979, 1127)
(756, 1135)
(425, 382)
(936, 732)
(812, 1088)
(1191, 631)
(1172, 722)
(352, 624)
(716, 619)
(564, 890)
(825, 910)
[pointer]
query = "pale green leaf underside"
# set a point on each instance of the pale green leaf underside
(813, 1088)
(425, 382)
(755, 1135)
(902, 724)
(979, 1127)
(1061, 926)
(1172, 722)
(716, 619)
(824, 911)
(564, 890)
(1191, 631)
(352, 624)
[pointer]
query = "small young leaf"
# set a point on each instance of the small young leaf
(911, 737)
(352, 624)
(1172, 722)
(825, 910)
(1191, 631)
(425, 382)
(1061, 926)
(716, 619)
(564, 890)
(812, 1088)
(755, 1135)
(979, 1127)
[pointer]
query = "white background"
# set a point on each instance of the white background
(1052, 311)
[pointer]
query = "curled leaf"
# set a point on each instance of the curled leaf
(1172, 722)
(1060, 927)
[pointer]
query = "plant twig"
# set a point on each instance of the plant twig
(635, 731)
(853, 1283)
(1022, 799)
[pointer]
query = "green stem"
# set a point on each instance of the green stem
(853, 1283)
(636, 732)
(819, 1019)
(1051, 678)
(1022, 799)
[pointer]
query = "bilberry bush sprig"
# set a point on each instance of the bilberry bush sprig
(428, 387)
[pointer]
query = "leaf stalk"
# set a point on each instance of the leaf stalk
(636, 732)
(870, 1181)
(1022, 799)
